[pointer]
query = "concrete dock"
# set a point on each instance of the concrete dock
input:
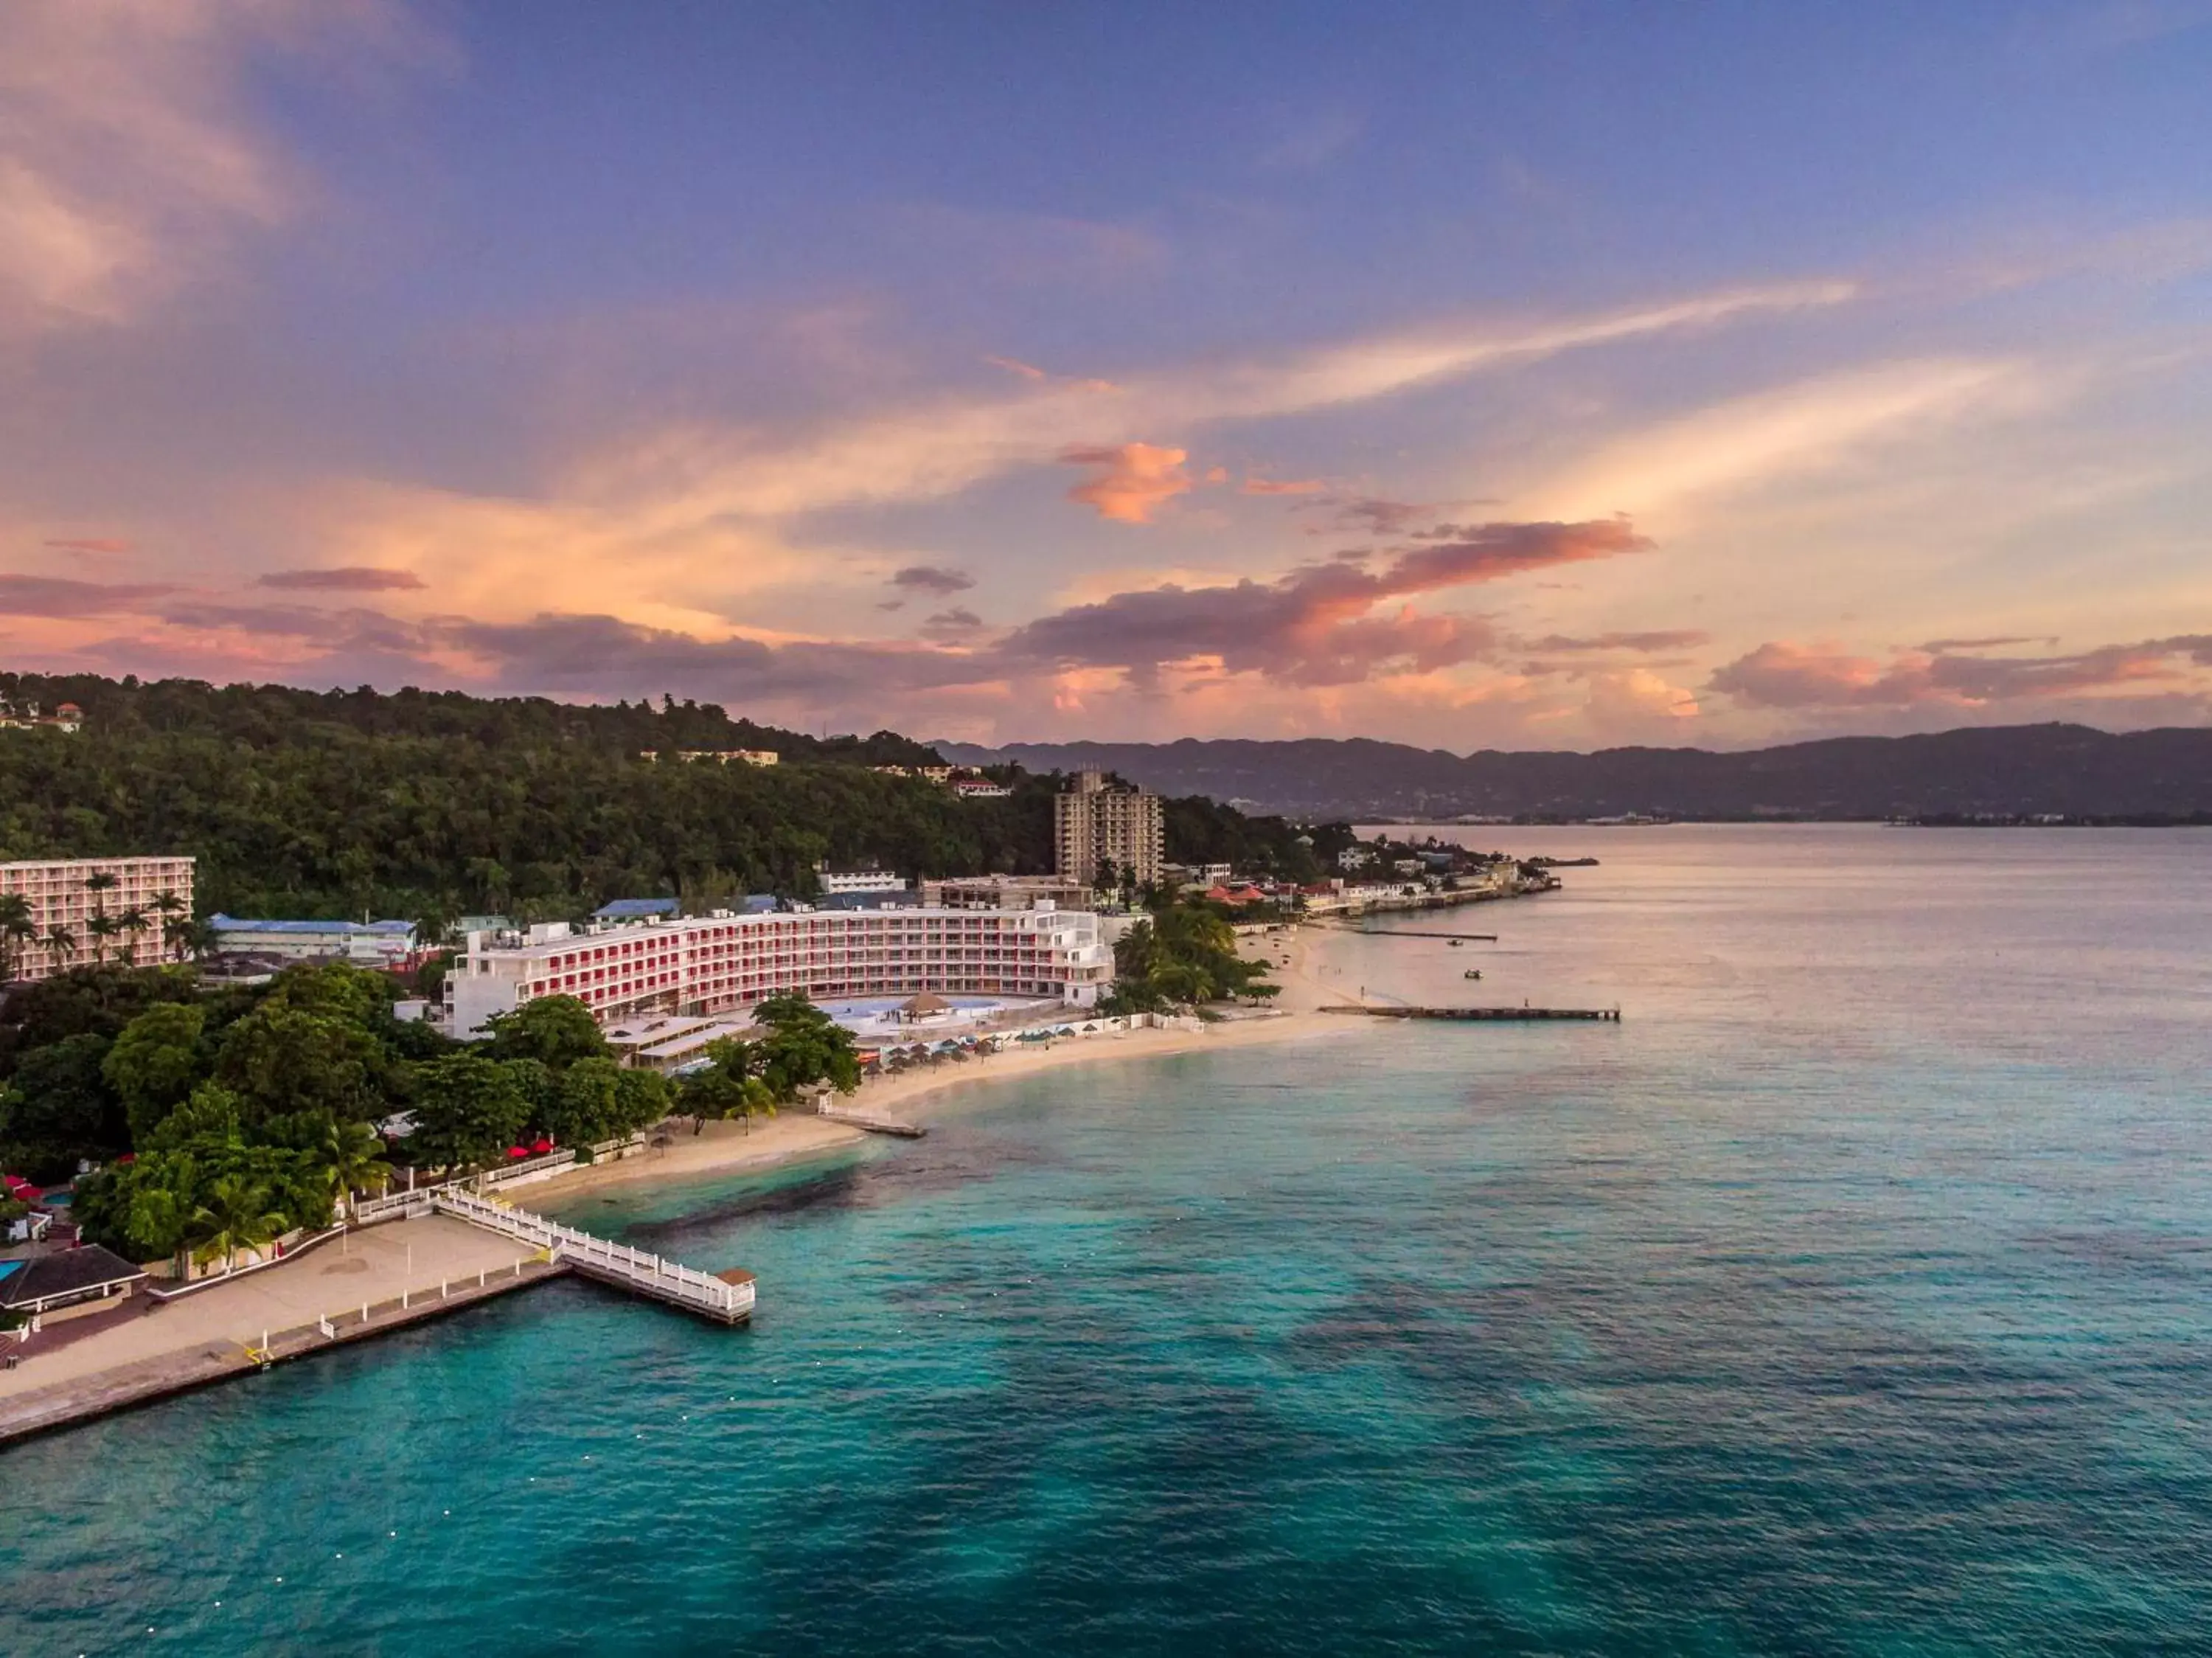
(1610, 1014)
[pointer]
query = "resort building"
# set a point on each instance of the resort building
(66, 716)
(724, 963)
(1008, 893)
(717, 756)
(1097, 823)
(95, 909)
(390, 944)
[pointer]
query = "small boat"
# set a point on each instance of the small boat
(1455, 943)
(1472, 973)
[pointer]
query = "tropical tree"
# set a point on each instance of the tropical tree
(61, 942)
(468, 1110)
(556, 1030)
(235, 1213)
(17, 929)
(351, 1159)
(282, 1059)
(133, 920)
(101, 927)
(154, 1063)
(804, 1046)
(99, 883)
(726, 1086)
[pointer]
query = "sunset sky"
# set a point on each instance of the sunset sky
(1527, 375)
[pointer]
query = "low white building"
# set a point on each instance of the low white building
(372, 944)
(706, 966)
(837, 882)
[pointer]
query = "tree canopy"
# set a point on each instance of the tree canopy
(434, 805)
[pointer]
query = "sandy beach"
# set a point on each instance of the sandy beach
(723, 1148)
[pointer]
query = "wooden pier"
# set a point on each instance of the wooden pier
(726, 1298)
(1408, 932)
(1610, 1014)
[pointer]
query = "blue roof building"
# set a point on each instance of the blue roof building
(383, 942)
(637, 908)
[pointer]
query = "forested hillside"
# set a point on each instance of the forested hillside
(1994, 771)
(429, 806)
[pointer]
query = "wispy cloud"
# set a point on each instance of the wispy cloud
(933, 450)
(58, 599)
(130, 154)
(1751, 440)
(349, 578)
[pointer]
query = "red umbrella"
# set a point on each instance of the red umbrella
(517, 1151)
(544, 1144)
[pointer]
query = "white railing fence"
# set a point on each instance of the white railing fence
(649, 1270)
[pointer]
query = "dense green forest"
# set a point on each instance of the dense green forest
(430, 805)
(218, 1119)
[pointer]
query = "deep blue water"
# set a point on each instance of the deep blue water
(1851, 1296)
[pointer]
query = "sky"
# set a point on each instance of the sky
(1548, 374)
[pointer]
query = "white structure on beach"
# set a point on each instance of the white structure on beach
(723, 963)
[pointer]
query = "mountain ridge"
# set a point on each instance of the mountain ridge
(2071, 771)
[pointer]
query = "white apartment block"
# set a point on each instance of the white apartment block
(730, 963)
(1096, 823)
(59, 898)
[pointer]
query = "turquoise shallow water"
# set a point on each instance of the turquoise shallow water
(1851, 1296)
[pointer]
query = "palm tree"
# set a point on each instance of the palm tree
(62, 943)
(236, 1216)
(99, 883)
(102, 927)
(171, 908)
(16, 930)
(133, 922)
(351, 1158)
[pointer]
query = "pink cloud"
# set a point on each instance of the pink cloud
(1016, 366)
(91, 544)
(1133, 480)
(1318, 625)
(1784, 674)
(1284, 486)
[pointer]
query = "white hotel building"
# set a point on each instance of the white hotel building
(723, 963)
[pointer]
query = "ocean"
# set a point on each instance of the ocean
(1852, 1295)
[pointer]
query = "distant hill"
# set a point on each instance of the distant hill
(2002, 771)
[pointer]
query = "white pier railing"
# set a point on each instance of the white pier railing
(635, 1269)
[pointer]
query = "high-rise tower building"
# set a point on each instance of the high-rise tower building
(1097, 823)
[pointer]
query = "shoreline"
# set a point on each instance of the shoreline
(725, 1149)
(152, 1351)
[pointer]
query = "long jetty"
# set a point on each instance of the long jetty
(874, 1123)
(1611, 1014)
(724, 1297)
(1409, 932)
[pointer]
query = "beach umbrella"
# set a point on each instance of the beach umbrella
(517, 1151)
(544, 1144)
